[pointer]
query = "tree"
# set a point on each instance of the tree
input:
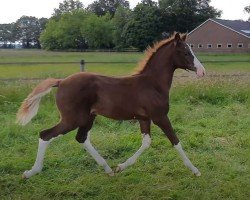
(102, 7)
(67, 6)
(185, 15)
(144, 26)
(120, 19)
(247, 10)
(149, 3)
(98, 31)
(6, 35)
(65, 33)
(78, 29)
(27, 30)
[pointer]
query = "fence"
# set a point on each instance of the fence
(82, 64)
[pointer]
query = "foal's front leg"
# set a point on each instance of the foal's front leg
(83, 138)
(98, 158)
(146, 141)
(166, 127)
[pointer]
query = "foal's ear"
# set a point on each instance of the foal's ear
(177, 38)
(184, 37)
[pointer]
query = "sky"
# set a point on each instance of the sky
(11, 10)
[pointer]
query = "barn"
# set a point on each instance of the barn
(218, 35)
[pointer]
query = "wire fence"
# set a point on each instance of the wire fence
(83, 63)
(107, 62)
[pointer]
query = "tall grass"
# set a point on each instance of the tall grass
(210, 116)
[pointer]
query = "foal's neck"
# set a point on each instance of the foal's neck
(160, 68)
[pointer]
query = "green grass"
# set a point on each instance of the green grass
(63, 70)
(210, 115)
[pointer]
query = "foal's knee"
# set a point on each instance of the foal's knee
(44, 135)
(82, 134)
(81, 138)
(49, 134)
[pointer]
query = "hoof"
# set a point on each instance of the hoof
(118, 169)
(25, 175)
(197, 174)
(111, 173)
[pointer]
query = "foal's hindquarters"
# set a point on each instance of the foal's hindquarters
(75, 110)
(75, 113)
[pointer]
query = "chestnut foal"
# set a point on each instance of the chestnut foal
(143, 96)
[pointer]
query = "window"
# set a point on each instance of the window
(219, 45)
(249, 46)
(209, 45)
(200, 46)
(240, 45)
(229, 45)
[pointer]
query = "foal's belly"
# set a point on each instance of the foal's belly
(119, 112)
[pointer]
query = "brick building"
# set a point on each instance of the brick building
(217, 35)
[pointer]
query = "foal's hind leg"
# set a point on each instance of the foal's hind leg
(146, 141)
(166, 127)
(46, 137)
(83, 138)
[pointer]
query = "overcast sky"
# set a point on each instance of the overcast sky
(11, 10)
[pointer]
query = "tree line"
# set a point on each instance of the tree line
(107, 24)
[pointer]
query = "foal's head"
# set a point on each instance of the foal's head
(184, 57)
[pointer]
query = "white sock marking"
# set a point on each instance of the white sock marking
(146, 141)
(186, 161)
(38, 165)
(98, 158)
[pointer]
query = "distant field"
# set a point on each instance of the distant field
(63, 70)
(210, 115)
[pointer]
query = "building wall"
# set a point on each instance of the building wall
(215, 34)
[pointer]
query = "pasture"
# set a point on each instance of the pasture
(210, 116)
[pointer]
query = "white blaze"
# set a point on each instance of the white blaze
(200, 70)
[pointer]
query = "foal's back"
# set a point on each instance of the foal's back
(113, 97)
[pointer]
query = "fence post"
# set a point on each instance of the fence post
(82, 63)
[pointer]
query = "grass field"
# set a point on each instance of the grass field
(210, 115)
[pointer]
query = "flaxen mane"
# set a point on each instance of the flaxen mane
(150, 51)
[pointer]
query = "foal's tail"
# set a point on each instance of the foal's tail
(30, 105)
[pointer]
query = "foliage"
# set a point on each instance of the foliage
(6, 34)
(98, 31)
(26, 29)
(67, 6)
(114, 25)
(65, 33)
(185, 15)
(144, 27)
(120, 19)
(78, 30)
(247, 10)
(102, 7)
